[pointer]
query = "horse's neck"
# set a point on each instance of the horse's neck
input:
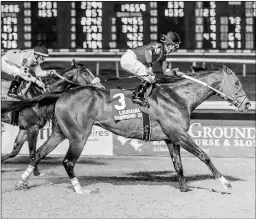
(193, 93)
(58, 85)
(55, 85)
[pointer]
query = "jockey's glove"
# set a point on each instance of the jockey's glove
(40, 84)
(177, 72)
(96, 80)
(51, 72)
(150, 71)
(27, 77)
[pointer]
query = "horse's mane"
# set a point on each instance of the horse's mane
(174, 79)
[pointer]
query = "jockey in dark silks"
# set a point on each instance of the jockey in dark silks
(18, 62)
(139, 61)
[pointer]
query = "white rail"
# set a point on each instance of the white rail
(244, 62)
(220, 105)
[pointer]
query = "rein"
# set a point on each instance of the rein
(228, 98)
(134, 76)
(63, 78)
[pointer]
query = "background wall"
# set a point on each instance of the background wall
(218, 138)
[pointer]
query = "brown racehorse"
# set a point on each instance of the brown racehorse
(28, 121)
(171, 105)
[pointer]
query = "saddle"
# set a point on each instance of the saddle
(123, 108)
(130, 92)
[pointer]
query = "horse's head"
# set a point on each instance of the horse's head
(233, 89)
(80, 75)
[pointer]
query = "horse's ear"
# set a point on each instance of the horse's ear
(225, 68)
(228, 70)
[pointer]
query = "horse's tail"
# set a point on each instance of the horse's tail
(41, 100)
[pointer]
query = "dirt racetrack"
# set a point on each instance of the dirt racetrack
(130, 187)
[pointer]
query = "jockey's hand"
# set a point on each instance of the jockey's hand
(40, 84)
(96, 80)
(26, 75)
(177, 72)
(51, 72)
(150, 71)
(168, 72)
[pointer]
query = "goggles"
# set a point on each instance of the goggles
(171, 47)
(39, 57)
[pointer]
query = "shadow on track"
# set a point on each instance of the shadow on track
(140, 178)
(55, 161)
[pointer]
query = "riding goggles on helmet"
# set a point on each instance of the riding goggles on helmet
(171, 47)
(39, 57)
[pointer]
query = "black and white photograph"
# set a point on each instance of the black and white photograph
(128, 109)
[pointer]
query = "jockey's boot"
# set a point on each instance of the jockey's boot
(139, 94)
(14, 87)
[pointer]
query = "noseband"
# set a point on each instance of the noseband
(233, 100)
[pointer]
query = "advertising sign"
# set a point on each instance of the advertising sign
(98, 143)
(218, 138)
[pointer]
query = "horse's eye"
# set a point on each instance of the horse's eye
(237, 83)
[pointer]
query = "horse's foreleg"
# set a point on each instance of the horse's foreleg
(19, 141)
(188, 144)
(77, 141)
(32, 141)
(174, 151)
(54, 140)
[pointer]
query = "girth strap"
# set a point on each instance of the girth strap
(146, 127)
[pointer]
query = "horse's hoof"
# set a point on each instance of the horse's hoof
(83, 192)
(37, 174)
(21, 186)
(225, 183)
(185, 189)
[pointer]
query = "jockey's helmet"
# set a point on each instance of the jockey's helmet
(171, 41)
(40, 53)
(41, 50)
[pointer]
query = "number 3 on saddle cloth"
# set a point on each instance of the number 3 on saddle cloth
(124, 109)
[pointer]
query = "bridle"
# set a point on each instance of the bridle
(233, 100)
(69, 81)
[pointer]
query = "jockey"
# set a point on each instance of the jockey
(139, 61)
(18, 62)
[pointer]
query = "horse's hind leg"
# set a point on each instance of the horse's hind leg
(54, 140)
(174, 151)
(32, 141)
(188, 144)
(77, 138)
(19, 141)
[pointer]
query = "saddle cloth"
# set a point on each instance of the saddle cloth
(124, 109)
(4, 90)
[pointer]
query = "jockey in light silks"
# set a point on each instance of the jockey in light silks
(139, 61)
(18, 62)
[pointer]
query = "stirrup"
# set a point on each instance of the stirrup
(10, 94)
(140, 101)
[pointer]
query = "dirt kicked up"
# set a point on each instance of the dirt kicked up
(130, 187)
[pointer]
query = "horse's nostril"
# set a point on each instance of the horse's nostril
(247, 105)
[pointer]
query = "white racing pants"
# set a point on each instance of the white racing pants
(8, 68)
(13, 70)
(130, 63)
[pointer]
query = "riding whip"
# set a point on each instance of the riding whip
(134, 76)
(206, 85)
